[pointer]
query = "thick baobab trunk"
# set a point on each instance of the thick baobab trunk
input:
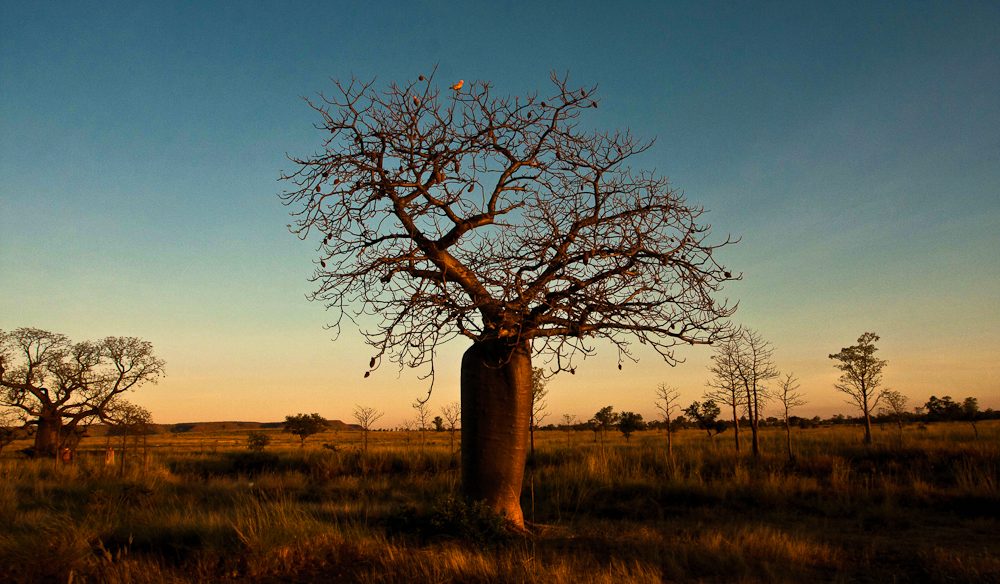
(496, 411)
(47, 437)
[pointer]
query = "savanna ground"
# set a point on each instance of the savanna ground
(202, 508)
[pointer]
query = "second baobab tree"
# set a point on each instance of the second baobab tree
(500, 220)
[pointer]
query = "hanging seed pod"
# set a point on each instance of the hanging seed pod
(372, 362)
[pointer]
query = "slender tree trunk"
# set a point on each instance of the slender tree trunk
(788, 438)
(496, 412)
(670, 440)
(736, 425)
(868, 418)
(755, 445)
(47, 437)
(531, 439)
(121, 469)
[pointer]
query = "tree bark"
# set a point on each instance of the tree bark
(47, 437)
(496, 412)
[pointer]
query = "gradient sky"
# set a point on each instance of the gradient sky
(855, 148)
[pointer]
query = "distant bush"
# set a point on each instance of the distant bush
(257, 441)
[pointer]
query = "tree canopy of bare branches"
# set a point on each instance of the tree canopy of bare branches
(440, 214)
(61, 384)
(789, 397)
(366, 418)
(666, 402)
(741, 367)
(490, 217)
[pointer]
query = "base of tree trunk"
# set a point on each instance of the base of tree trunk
(47, 437)
(496, 411)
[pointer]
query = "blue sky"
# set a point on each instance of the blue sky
(854, 148)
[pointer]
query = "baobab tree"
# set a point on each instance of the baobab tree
(861, 376)
(59, 384)
(462, 213)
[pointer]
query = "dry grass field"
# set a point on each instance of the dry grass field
(199, 507)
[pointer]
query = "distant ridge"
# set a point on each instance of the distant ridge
(209, 427)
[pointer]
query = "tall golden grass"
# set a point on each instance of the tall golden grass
(923, 507)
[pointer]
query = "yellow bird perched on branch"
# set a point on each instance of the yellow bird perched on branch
(458, 85)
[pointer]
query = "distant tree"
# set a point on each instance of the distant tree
(680, 422)
(594, 427)
(606, 418)
(257, 440)
(971, 413)
(366, 418)
(726, 384)
(423, 417)
(629, 422)
(942, 409)
(61, 385)
(705, 416)
(538, 404)
(861, 376)
(438, 422)
(11, 427)
(452, 415)
(304, 426)
(753, 357)
(666, 402)
(789, 397)
(128, 419)
(894, 407)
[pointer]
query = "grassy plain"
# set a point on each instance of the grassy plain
(201, 508)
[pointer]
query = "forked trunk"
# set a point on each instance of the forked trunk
(496, 411)
(47, 437)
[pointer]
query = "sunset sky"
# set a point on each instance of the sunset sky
(854, 147)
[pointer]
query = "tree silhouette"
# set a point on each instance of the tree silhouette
(629, 422)
(304, 425)
(538, 404)
(500, 220)
(366, 418)
(895, 407)
(61, 385)
(789, 397)
(705, 415)
(666, 402)
(861, 376)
